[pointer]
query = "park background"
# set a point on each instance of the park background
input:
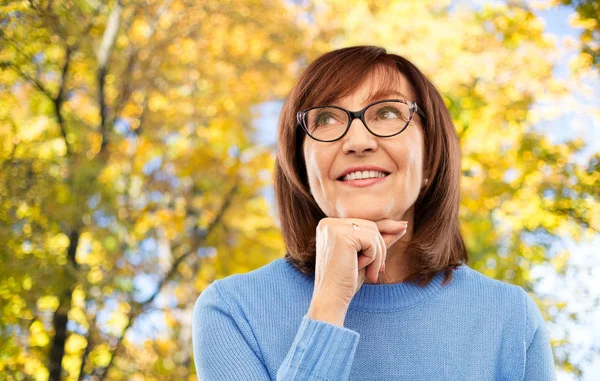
(137, 144)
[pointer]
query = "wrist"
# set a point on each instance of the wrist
(327, 311)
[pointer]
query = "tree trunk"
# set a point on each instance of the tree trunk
(61, 317)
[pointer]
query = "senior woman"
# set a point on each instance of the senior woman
(374, 284)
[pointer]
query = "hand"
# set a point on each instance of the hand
(345, 257)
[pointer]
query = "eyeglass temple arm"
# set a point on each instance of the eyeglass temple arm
(299, 118)
(420, 112)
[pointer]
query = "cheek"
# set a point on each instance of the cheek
(410, 159)
(414, 162)
(314, 167)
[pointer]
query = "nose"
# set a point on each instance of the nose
(358, 139)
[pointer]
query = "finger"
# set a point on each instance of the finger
(362, 276)
(369, 252)
(364, 260)
(384, 248)
(382, 253)
(390, 226)
(375, 267)
(391, 238)
(365, 247)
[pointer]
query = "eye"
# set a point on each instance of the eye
(326, 118)
(322, 119)
(388, 113)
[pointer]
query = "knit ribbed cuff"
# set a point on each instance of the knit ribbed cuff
(321, 351)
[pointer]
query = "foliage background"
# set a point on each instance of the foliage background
(136, 156)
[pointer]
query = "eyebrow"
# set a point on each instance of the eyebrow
(385, 93)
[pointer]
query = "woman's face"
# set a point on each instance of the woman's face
(401, 156)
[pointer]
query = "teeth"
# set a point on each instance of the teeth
(358, 175)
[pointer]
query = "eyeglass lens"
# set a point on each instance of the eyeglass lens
(385, 119)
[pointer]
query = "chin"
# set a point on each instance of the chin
(371, 214)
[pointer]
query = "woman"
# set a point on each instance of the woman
(375, 283)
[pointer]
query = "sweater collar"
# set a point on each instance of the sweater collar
(393, 296)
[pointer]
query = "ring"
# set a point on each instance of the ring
(355, 226)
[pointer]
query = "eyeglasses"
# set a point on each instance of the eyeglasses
(384, 119)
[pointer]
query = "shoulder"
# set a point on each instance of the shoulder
(494, 295)
(268, 285)
(534, 320)
(472, 278)
(272, 277)
(511, 300)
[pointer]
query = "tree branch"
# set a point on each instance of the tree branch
(59, 99)
(108, 41)
(580, 219)
(27, 77)
(49, 18)
(88, 347)
(138, 308)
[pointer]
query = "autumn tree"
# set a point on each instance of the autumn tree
(588, 17)
(128, 162)
(132, 176)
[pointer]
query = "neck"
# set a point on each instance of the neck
(397, 266)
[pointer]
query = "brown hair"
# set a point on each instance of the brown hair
(436, 244)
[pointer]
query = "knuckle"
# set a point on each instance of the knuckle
(323, 223)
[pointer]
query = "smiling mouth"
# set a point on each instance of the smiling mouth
(386, 174)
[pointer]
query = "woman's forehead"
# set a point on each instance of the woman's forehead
(381, 84)
(385, 93)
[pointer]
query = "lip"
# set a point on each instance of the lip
(364, 182)
(362, 168)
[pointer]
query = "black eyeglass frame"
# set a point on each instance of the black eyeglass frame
(412, 107)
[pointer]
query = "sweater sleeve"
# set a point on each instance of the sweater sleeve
(224, 346)
(320, 351)
(539, 360)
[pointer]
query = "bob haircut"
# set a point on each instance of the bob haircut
(437, 244)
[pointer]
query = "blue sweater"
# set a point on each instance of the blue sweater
(254, 326)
